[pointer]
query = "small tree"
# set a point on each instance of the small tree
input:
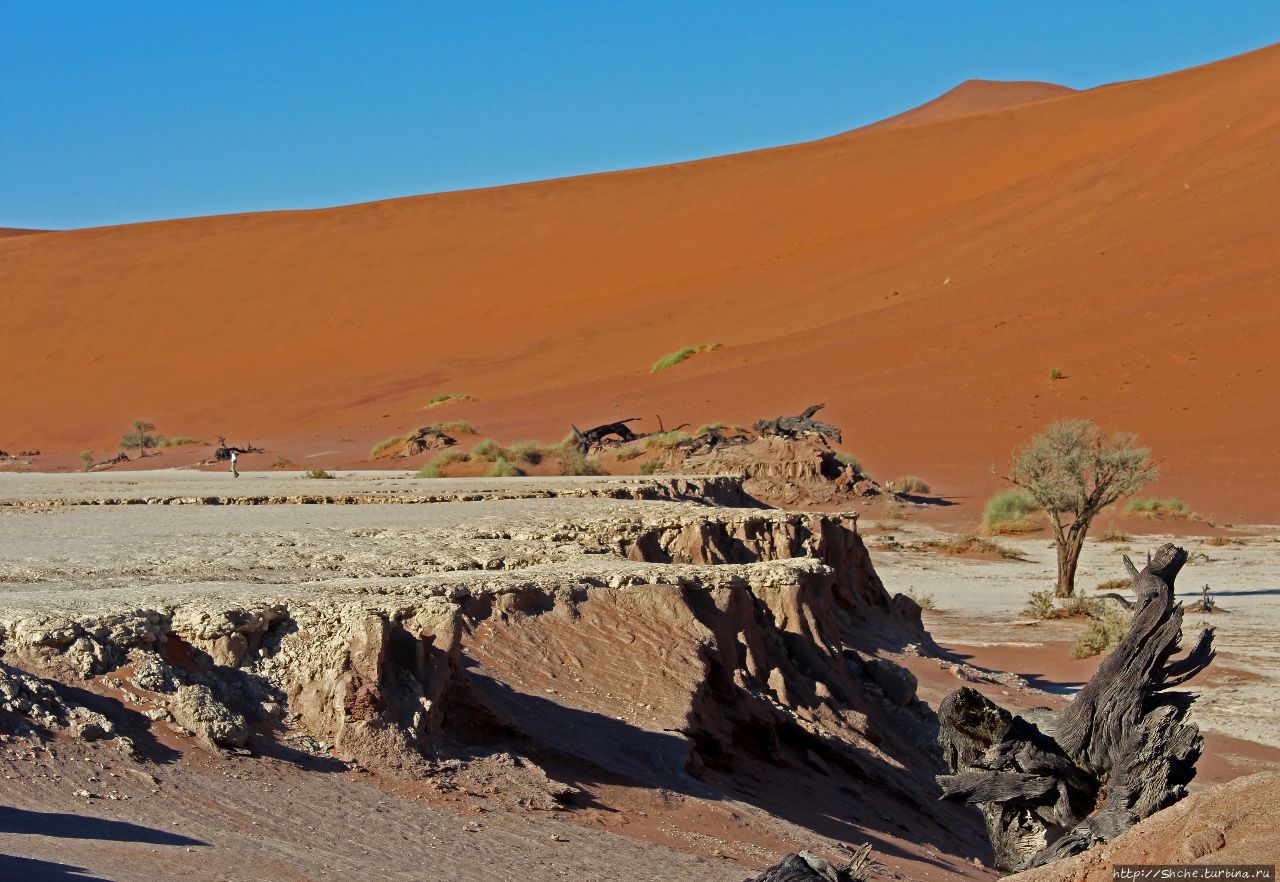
(1073, 472)
(86, 460)
(140, 437)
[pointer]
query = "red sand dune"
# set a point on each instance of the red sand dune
(921, 277)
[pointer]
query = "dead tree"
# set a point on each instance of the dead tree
(223, 451)
(1053, 783)
(803, 426)
(807, 867)
(587, 439)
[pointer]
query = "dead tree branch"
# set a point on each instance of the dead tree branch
(1051, 784)
(801, 426)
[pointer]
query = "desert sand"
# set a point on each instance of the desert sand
(922, 276)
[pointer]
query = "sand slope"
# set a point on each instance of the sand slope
(922, 279)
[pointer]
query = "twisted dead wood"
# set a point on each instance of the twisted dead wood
(800, 426)
(1053, 783)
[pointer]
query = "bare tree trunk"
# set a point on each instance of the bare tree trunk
(1069, 548)
(1051, 784)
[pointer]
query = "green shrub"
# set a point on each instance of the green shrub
(488, 450)
(501, 468)
(1107, 624)
(670, 361)
(1009, 511)
(651, 467)
(316, 473)
(1040, 605)
(910, 484)
(527, 452)
(573, 462)
(846, 458)
(1055, 374)
(708, 427)
(441, 400)
(1159, 508)
(86, 460)
(385, 444)
(628, 453)
(454, 426)
(666, 439)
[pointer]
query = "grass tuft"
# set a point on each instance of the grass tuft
(573, 462)
(1056, 374)
(1107, 624)
(384, 445)
(1159, 508)
(650, 468)
(1009, 511)
(670, 361)
(180, 441)
(666, 439)
(910, 484)
(923, 600)
(488, 450)
(501, 468)
(435, 467)
(527, 452)
(846, 458)
(317, 474)
(452, 398)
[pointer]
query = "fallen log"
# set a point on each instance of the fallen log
(800, 426)
(1051, 784)
(808, 867)
(223, 451)
(588, 439)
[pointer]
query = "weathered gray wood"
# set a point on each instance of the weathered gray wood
(806, 867)
(588, 439)
(800, 426)
(1051, 784)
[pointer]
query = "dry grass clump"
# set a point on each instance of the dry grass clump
(650, 468)
(1040, 605)
(663, 440)
(454, 426)
(1113, 534)
(527, 452)
(1114, 585)
(435, 467)
(86, 460)
(574, 462)
(1009, 511)
(1159, 508)
(281, 462)
(488, 450)
(974, 546)
(670, 361)
(909, 484)
(1107, 624)
(924, 601)
(844, 457)
(317, 474)
(1056, 374)
(385, 444)
(179, 441)
(502, 468)
(708, 427)
(451, 398)
(629, 453)
(1220, 541)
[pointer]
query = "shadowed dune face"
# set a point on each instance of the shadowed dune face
(922, 279)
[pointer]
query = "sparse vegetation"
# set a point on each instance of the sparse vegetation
(1107, 624)
(1220, 541)
(140, 438)
(651, 467)
(1073, 472)
(1009, 511)
(435, 467)
(1113, 585)
(844, 457)
(574, 462)
(316, 473)
(708, 427)
(385, 444)
(1040, 605)
(451, 398)
(488, 450)
(666, 439)
(1159, 508)
(670, 361)
(282, 462)
(910, 484)
(1113, 534)
(893, 510)
(502, 468)
(86, 460)
(454, 426)
(924, 601)
(527, 452)
(179, 441)
(629, 453)
(1056, 374)
(970, 545)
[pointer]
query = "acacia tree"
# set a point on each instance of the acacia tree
(1073, 473)
(140, 437)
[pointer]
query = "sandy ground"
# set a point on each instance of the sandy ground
(980, 614)
(923, 279)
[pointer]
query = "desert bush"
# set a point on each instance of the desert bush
(384, 445)
(282, 462)
(1056, 374)
(651, 467)
(670, 361)
(666, 439)
(574, 462)
(502, 468)
(435, 467)
(924, 601)
(893, 510)
(708, 427)
(527, 452)
(454, 426)
(1107, 624)
(1009, 511)
(960, 545)
(1114, 535)
(488, 450)
(1113, 585)
(316, 473)
(844, 457)
(910, 484)
(629, 453)
(451, 398)
(179, 441)
(140, 438)
(86, 460)
(1159, 508)
(1040, 605)
(1220, 541)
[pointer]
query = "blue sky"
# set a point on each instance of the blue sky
(114, 111)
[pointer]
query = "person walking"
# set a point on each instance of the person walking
(234, 457)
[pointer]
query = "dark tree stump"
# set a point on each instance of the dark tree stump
(1051, 784)
(587, 439)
